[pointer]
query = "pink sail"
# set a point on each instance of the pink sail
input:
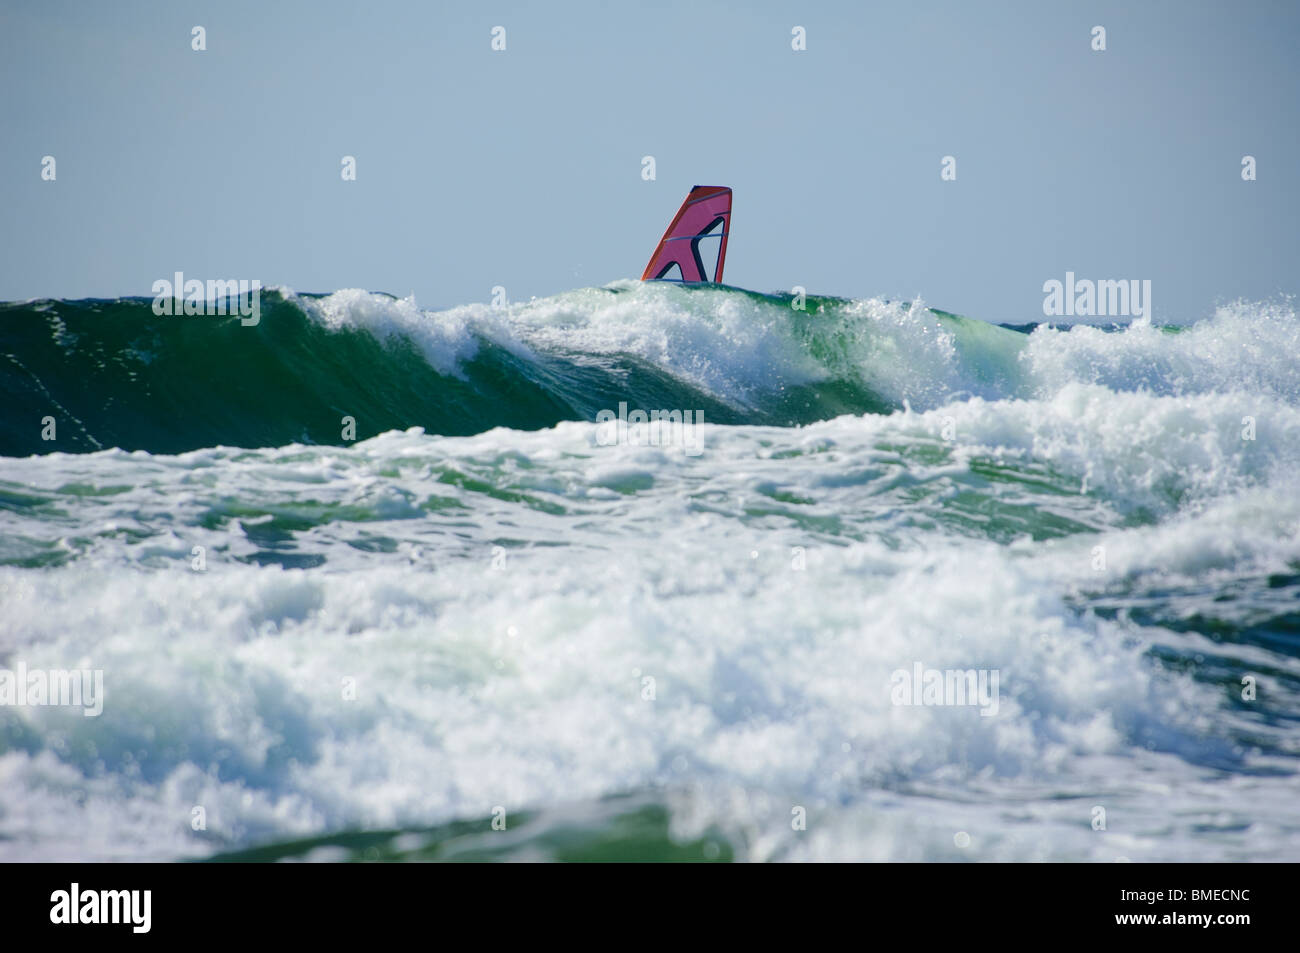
(705, 215)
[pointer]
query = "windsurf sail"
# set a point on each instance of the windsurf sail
(705, 215)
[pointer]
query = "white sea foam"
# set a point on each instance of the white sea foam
(741, 348)
(1245, 347)
(500, 600)
(446, 339)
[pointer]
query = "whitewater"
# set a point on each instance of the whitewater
(316, 647)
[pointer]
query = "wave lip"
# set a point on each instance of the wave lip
(113, 374)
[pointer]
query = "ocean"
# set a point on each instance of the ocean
(365, 581)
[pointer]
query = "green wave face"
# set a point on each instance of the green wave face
(114, 374)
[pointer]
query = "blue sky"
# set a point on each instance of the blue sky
(522, 168)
